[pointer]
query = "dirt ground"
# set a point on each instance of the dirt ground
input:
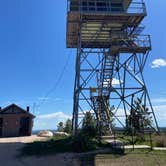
(10, 154)
(22, 139)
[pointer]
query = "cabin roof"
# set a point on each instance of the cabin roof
(3, 110)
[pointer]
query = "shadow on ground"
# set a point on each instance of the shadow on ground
(11, 154)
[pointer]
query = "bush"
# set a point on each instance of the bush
(159, 141)
(83, 143)
(55, 145)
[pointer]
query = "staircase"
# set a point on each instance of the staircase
(101, 100)
(107, 74)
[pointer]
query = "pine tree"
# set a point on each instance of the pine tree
(68, 126)
(139, 119)
(60, 127)
(89, 125)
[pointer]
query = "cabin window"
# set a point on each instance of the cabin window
(116, 7)
(74, 6)
(84, 3)
(91, 6)
(91, 3)
(84, 6)
(101, 6)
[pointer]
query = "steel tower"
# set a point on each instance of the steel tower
(111, 55)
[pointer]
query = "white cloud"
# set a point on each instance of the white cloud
(58, 99)
(50, 121)
(54, 115)
(115, 82)
(43, 98)
(157, 63)
(160, 112)
(159, 100)
(49, 99)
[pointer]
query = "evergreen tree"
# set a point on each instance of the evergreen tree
(139, 119)
(60, 127)
(89, 125)
(68, 126)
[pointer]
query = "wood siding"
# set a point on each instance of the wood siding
(11, 124)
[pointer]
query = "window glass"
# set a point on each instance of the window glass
(84, 3)
(84, 6)
(91, 3)
(101, 6)
(116, 7)
(73, 6)
(91, 9)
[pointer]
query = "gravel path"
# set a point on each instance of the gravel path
(22, 139)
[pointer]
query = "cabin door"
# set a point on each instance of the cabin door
(24, 126)
(1, 126)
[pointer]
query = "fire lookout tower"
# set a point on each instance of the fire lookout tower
(111, 56)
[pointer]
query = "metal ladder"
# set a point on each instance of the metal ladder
(101, 100)
(107, 74)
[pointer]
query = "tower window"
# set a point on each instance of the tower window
(116, 7)
(101, 6)
(91, 4)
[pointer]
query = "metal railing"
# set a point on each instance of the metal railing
(143, 41)
(88, 6)
(123, 41)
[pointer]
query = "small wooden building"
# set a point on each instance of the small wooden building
(15, 121)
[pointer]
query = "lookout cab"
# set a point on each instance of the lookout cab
(105, 23)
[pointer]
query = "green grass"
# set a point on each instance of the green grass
(128, 140)
(141, 157)
(157, 140)
(57, 144)
(60, 144)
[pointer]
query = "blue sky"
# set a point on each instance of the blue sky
(33, 53)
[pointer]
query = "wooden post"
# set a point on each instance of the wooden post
(151, 143)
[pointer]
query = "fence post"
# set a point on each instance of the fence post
(151, 143)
